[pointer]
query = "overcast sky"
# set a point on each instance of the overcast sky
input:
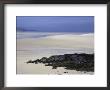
(55, 23)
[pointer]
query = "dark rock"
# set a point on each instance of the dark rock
(79, 62)
(65, 72)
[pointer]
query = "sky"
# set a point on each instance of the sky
(55, 23)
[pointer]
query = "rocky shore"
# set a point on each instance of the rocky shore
(79, 62)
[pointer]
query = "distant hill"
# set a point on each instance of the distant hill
(25, 30)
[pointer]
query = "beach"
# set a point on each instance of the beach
(35, 45)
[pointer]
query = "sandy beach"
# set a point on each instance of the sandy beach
(31, 46)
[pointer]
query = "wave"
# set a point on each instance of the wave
(22, 35)
(70, 36)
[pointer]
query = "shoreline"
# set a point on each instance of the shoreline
(29, 47)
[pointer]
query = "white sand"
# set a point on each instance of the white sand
(33, 48)
(59, 41)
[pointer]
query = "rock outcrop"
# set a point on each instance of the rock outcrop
(79, 62)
